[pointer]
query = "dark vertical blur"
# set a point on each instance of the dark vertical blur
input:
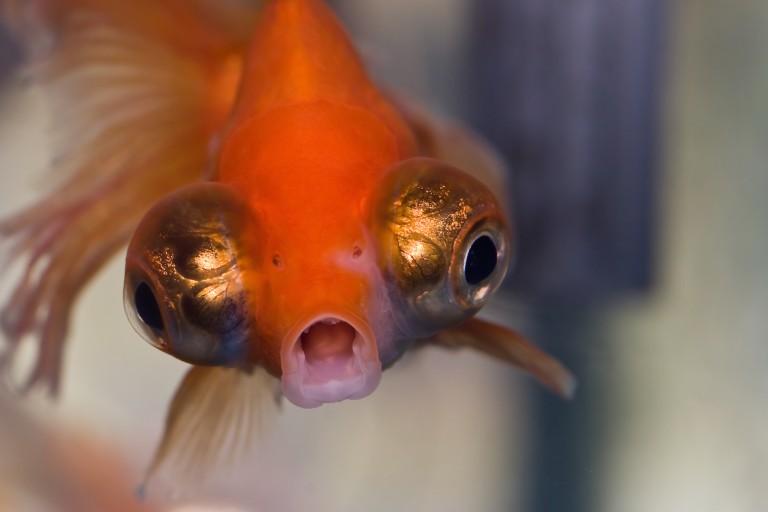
(569, 92)
(9, 54)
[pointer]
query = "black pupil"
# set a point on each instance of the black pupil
(147, 307)
(481, 260)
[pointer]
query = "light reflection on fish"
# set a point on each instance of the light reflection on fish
(306, 229)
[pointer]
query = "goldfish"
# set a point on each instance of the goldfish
(293, 228)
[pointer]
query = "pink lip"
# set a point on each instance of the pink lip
(329, 358)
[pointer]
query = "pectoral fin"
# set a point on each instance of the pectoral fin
(509, 346)
(454, 144)
(213, 418)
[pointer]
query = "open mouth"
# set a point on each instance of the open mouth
(329, 360)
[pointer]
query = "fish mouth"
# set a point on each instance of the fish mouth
(329, 359)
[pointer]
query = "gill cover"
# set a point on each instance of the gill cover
(444, 243)
(184, 290)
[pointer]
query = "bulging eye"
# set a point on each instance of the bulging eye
(184, 289)
(445, 243)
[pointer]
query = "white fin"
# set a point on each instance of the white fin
(129, 91)
(212, 421)
(511, 347)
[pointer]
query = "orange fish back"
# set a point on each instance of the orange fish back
(307, 115)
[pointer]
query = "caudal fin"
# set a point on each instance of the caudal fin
(136, 91)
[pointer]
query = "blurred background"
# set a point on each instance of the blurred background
(637, 131)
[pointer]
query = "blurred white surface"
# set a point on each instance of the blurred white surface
(691, 417)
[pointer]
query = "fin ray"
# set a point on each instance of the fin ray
(131, 109)
(212, 421)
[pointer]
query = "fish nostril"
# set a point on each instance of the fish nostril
(147, 307)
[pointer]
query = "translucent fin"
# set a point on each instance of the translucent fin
(212, 421)
(510, 346)
(454, 144)
(133, 107)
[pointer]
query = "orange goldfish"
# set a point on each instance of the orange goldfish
(307, 227)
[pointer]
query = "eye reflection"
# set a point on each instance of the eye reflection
(202, 256)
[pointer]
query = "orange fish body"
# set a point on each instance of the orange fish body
(308, 228)
(309, 140)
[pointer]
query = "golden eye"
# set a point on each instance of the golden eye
(184, 288)
(444, 243)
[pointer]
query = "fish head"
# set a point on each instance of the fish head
(209, 281)
(214, 281)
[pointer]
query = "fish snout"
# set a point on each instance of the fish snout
(329, 358)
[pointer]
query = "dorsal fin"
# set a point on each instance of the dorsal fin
(300, 52)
